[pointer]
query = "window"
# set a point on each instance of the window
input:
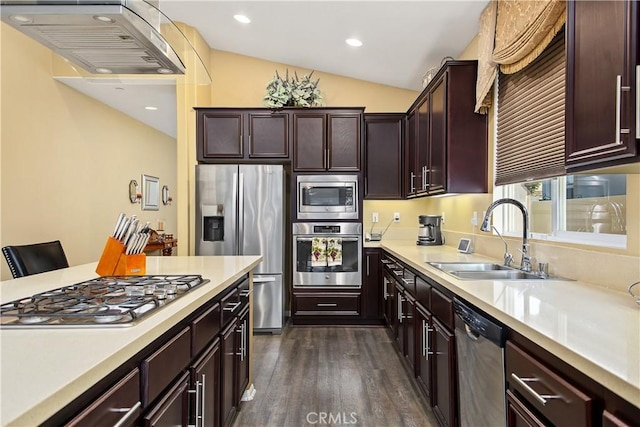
(581, 209)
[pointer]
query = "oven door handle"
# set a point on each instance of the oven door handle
(310, 239)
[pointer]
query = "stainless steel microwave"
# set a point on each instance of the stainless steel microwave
(327, 197)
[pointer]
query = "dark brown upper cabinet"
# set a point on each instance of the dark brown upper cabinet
(447, 143)
(602, 127)
(326, 140)
(384, 135)
(241, 135)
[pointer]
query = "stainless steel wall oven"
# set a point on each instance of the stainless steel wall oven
(327, 255)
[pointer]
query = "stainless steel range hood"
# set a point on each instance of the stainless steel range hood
(103, 37)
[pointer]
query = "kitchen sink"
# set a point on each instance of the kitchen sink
(486, 271)
(468, 266)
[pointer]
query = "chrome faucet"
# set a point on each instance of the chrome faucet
(525, 263)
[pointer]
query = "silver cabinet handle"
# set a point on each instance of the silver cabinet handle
(367, 265)
(198, 402)
(400, 314)
(638, 101)
(130, 413)
(326, 304)
(619, 89)
(540, 398)
(407, 281)
(413, 188)
(245, 293)
(424, 178)
(398, 272)
(424, 339)
(232, 309)
(203, 400)
(385, 287)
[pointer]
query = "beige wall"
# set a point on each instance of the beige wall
(240, 81)
(67, 159)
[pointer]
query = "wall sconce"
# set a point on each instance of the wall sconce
(166, 198)
(134, 192)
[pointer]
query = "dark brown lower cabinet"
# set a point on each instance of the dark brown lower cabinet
(518, 415)
(399, 324)
(227, 373)
(205, 388)
(424, 350)
(173, 407)
(120, 405)
(444, 375)
(387, 299)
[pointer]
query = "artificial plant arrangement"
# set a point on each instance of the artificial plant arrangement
(293, 92)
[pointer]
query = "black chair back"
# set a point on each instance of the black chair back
(26, 260)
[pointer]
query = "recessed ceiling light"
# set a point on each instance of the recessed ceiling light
(354, 42)
(150, 108)
(164, 71)
(242, 18)
(103, 71)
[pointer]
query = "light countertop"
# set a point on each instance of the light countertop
(595, 330)
(42, 370)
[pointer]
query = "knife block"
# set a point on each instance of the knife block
(114, 261)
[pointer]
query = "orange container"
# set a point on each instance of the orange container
(131, 265)
(114, 261)
(111, 253)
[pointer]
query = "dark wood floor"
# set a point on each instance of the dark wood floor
(331, 376)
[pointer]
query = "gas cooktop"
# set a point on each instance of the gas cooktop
(105, 301)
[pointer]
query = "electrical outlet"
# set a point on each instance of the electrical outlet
(443, 217)
(374, 217)
(396, 217)
(474, 218)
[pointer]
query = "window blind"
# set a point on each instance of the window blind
(531, 104)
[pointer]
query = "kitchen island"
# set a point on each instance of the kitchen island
(45, 369)
(594, 330)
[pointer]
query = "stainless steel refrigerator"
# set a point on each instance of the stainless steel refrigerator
(240, 210)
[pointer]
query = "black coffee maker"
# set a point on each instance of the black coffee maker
(429, 233)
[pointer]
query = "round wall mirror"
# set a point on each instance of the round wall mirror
(133, 191)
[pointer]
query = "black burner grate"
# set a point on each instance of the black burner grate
(111, 300)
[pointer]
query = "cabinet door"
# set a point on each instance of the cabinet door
(383, 152)
(444, 388)
(309, 142)
(411, 172)
(390, 305)
(343, 143)
(422, 146)
(227, 373)
(204, 407)
(221, 135)
(424, 350)
(400, 317)
(602, 43)
(242, 355)
(372, 292)
(268, 135)
(518, 415)
(436, 177)
(173, 407)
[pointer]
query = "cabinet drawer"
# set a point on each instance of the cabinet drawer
(442, 308)
(544, 390)
(327, 304)
(230, 305)
(120, 405)
(204, 328)
(164, 365)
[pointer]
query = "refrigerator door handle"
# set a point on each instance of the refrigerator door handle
(241, 214)
(234, 207)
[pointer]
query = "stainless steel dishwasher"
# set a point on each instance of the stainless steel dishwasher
(481, 384)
